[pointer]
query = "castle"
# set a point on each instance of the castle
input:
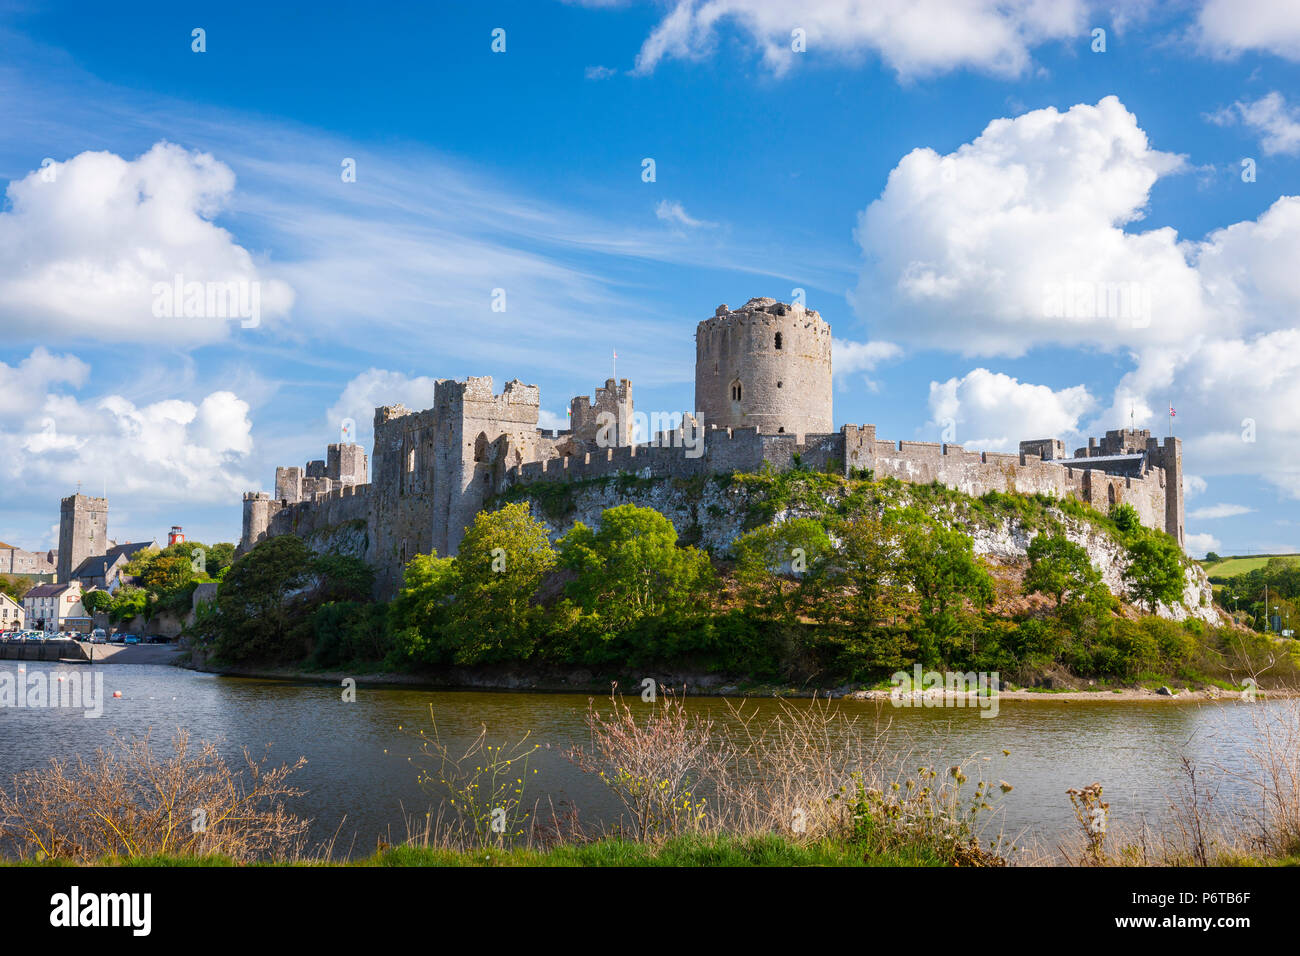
(762, 395)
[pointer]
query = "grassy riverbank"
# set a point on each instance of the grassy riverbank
(685, 851)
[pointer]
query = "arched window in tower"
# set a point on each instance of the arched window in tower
(480, 447)
(778, 340)
(1110, 493)
(735, 391)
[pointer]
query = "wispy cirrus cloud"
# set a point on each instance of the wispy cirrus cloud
(1215, 512)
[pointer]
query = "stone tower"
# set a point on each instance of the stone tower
(766, 364)
(83, 532)
(1168, 455)
(346, 463)
(612, 408)
(257, 517)
(479, 434)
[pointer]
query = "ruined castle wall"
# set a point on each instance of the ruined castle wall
(976, 473)
(348, 503)
(402, 494)
(587, 417)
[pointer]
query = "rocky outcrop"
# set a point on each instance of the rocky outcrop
(713, 513)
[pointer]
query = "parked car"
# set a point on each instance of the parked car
(157, 639)
(117, 638)
(131, 639)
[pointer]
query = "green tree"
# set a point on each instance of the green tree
(1155, 571)
(219, 557)
(796, 546)
(940, 565)
(140, 562)
(254, 618)
(1126, 518)
(96, 602)
(341, 577)
(856, 586)
(631, 568)
(128, 602)
(167, 574)
(421, 611)
(499, 566)
(15, 587)
(1059, 567)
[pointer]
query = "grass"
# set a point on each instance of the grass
(684, 851)
(1231, 567)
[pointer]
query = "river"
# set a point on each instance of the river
(358, 776)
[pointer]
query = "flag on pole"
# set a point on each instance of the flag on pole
(1172, 413)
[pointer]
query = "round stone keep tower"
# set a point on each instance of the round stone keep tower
(766, 364)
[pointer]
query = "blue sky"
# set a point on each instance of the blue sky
(923, 177)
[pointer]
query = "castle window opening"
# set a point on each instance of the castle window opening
(735, 391)
(778, 340)
(410, 460)
(778, 384)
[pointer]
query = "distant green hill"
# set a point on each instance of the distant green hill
(1231, 567)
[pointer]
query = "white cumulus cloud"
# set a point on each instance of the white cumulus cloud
(1228, 28)
(1277, 124)
(1033, 235)
(914, 37)
(1022, 237)
(85, 241)
(991, 411)
(171, 449)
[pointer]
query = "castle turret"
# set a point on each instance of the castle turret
(766, 364)
(257, 517)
